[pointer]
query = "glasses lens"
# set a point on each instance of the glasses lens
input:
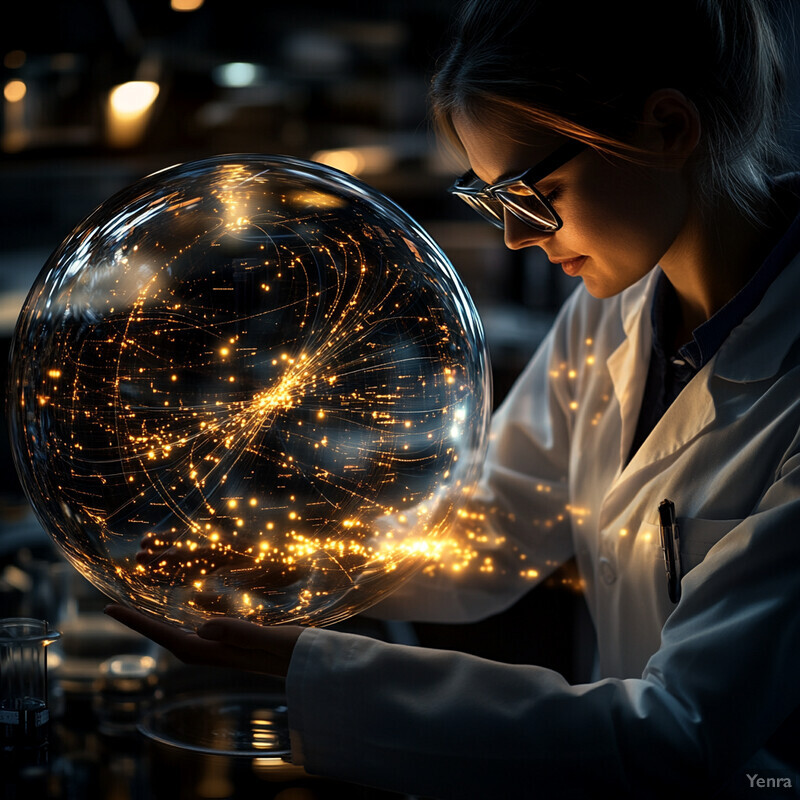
(489, 208)
(528, 206)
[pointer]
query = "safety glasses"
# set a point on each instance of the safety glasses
(518, 194)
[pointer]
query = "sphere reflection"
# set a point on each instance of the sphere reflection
(251, 386)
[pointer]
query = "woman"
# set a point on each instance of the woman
(615, 142)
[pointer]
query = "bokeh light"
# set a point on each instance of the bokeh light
(252, 386)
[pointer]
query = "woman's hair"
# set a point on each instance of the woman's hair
(583, 69)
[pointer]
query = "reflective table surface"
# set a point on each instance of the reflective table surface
(127, 721)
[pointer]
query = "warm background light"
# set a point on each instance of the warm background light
(15, 132)
(186, 5)
(133, 98)
(369, 160)
(14, 59)
(129, 107)
(14, 91)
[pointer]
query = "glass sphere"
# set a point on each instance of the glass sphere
(250, 386)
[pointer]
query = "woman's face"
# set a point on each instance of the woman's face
(619, 218)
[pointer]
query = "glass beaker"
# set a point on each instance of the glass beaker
(24, 711)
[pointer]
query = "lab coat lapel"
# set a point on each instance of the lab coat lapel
(692, 412)
(627, 365)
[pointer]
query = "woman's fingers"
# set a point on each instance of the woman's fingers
(186, 645)
(221, 642)
(162, 633)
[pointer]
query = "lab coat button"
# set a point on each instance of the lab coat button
(607, 571)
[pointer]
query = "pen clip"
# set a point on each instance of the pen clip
(670, 544)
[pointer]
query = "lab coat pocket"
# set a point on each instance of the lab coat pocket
(698, 536)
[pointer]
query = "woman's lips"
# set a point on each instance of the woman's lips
(572, 266)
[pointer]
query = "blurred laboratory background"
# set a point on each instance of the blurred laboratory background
(97, 93)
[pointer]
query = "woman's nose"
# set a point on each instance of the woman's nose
(518, 235)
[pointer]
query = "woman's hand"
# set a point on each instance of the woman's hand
(223, 642)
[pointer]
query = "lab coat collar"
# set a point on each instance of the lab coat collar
(755, 349)
(635, 299)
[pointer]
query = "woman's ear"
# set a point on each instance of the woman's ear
(670, 124)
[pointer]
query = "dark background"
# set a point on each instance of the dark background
(328, 76)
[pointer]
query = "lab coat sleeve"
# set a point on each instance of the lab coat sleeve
(450, 725)
(514, 531)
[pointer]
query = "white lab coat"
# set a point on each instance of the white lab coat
(689, 694)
